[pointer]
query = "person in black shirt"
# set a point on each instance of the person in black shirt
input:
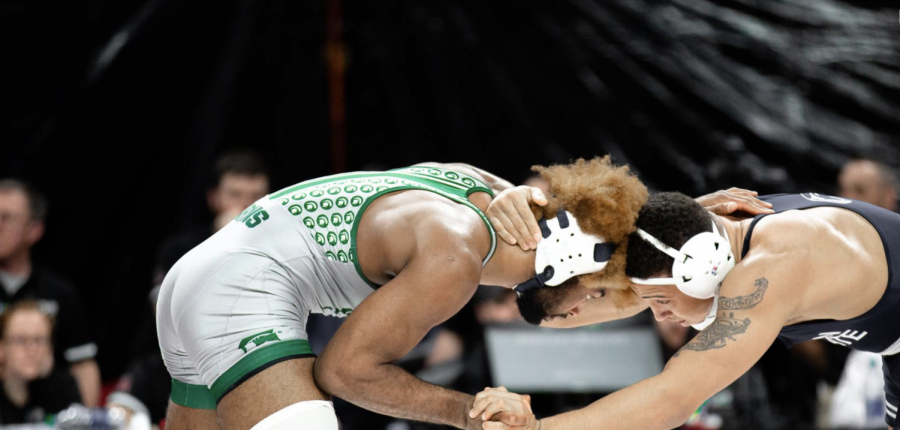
(22, 214)
(31, 388)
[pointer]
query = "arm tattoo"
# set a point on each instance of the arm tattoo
(745, 302)
(726, 326)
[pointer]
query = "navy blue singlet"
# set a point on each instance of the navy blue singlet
(875, 330)
(878, 329)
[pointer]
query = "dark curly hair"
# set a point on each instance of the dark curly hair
(673, 218)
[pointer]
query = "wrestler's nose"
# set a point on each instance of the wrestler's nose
(658, 312)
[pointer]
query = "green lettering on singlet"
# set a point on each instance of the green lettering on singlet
(252, 216)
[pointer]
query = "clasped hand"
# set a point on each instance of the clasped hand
(502, 410)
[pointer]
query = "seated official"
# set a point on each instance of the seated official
(32, 389)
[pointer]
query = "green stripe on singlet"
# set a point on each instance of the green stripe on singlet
(192, 396)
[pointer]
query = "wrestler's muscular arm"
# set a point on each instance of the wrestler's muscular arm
(440, 275)
(755, 303)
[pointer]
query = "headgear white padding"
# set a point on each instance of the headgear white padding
(309, 415)
(700, 265)
(566, 251)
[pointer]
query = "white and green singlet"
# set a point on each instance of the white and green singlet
(330, 206)
(238, 302)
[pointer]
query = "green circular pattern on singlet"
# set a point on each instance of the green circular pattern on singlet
(330, 207)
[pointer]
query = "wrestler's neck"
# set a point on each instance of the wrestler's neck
(508, 267)
(737, 232)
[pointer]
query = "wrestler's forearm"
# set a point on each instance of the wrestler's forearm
(389, 390)
(648, 404)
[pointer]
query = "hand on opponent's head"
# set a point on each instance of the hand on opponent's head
(510, 213)
(727, 202)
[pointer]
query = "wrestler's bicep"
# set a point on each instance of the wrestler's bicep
(427, 292)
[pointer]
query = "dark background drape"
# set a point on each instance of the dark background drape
(115, 109)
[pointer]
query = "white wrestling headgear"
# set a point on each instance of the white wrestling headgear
(700, 265)
(566, 251)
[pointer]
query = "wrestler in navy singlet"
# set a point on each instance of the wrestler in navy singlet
(878, 329)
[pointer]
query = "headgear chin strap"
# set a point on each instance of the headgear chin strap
(710, 317)
(566, 251)
(700, 265)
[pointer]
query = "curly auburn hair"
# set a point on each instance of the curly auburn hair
(606, 200)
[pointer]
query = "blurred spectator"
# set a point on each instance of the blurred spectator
(32, 389)
(869, 181)
(240, 178)
(858, 400)
(22, 214)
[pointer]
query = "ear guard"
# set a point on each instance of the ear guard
(566, 251)
(700, 265)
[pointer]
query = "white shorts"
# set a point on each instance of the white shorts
(225, 314)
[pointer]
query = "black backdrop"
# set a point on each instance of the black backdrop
(116, 108)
